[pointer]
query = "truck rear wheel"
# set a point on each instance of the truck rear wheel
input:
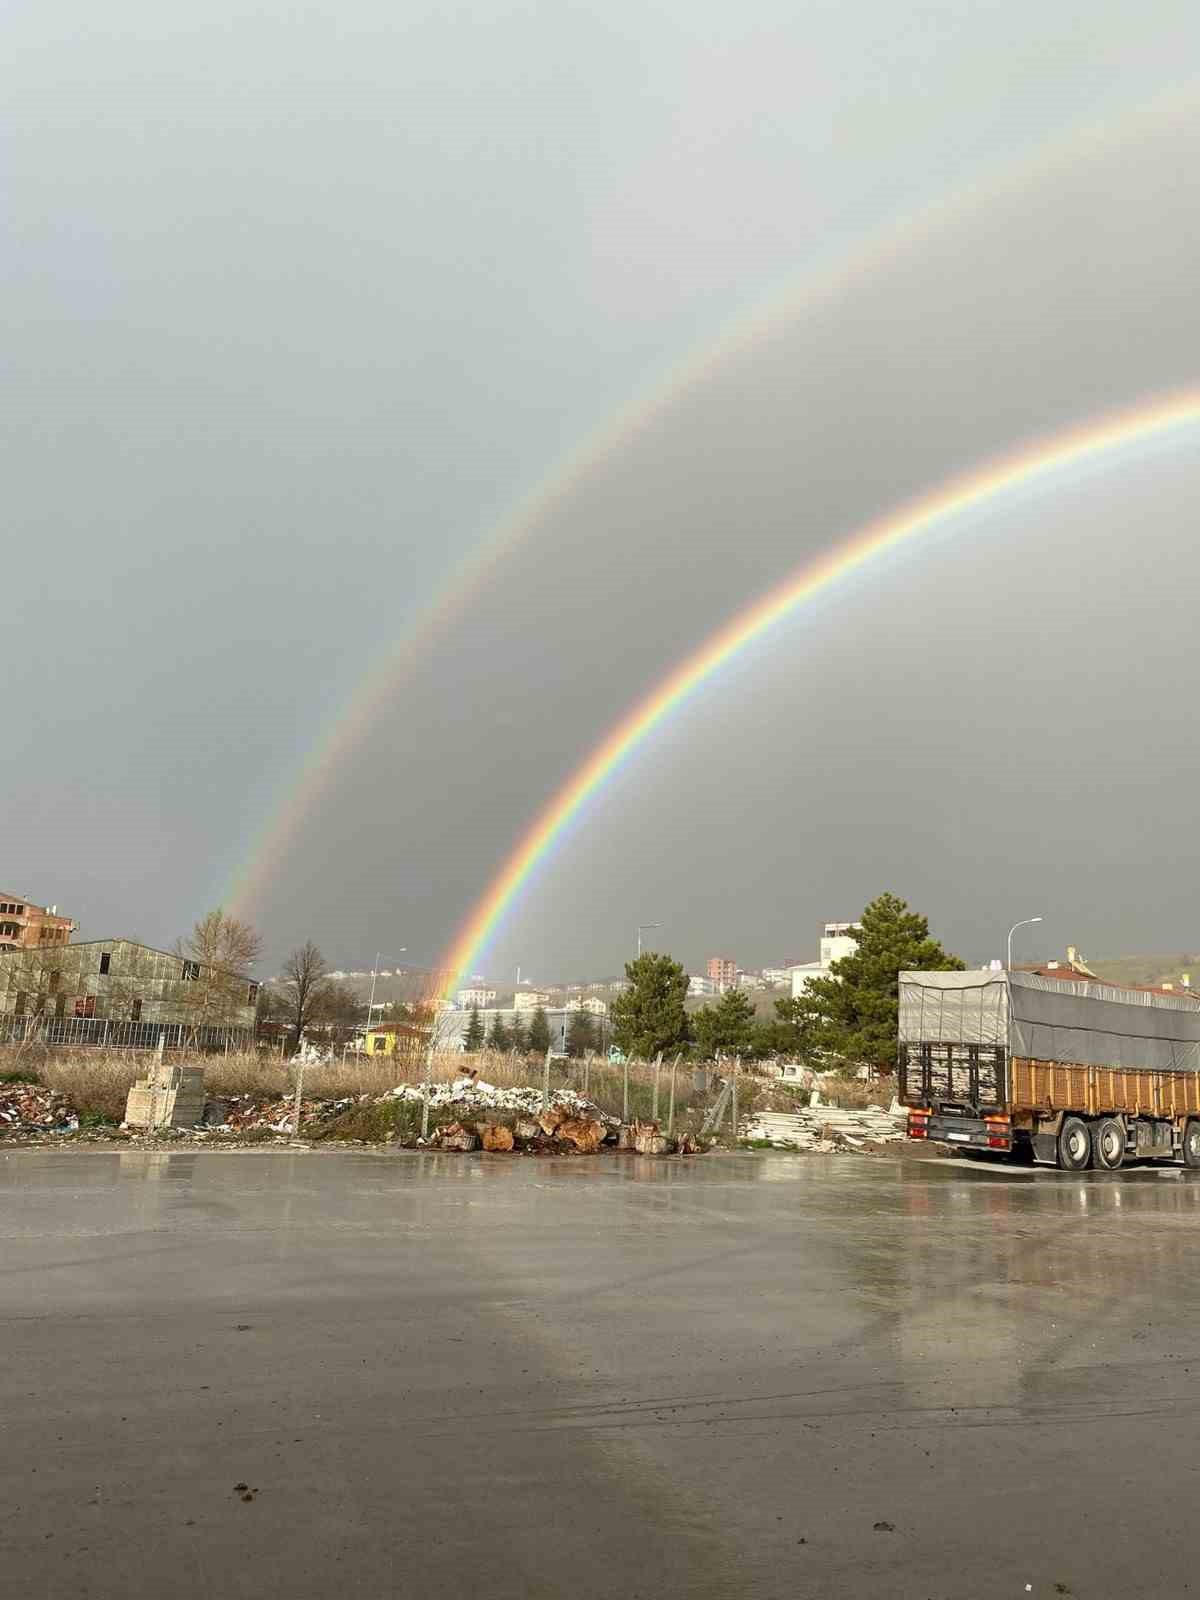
(1191, 1144)
(1108, 1144)
(1074, 1145)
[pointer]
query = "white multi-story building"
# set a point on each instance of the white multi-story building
(475, 997)
(837, 942)
(531, 999)
(803, 974)
(701, 986)
(773, 975)
(591, 1003)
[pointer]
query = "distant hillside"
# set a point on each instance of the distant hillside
(1149, 969)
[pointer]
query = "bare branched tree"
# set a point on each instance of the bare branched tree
(36, 984)
(304, 990)
(216, 958)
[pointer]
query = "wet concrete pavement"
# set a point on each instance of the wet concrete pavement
(738, 1376)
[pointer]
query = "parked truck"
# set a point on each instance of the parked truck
(1071, 1071)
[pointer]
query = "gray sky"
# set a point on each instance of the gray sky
(298, 304)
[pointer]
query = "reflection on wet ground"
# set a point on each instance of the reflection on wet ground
(516, 1377)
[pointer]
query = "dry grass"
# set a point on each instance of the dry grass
(98, 1081)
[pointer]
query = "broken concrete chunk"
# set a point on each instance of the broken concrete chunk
(584, 1133)
(455, 1137)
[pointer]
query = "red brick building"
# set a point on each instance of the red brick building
(24, 926)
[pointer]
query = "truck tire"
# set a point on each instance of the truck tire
(1108, 1144)
(1190, 1149)
(1074, 1145)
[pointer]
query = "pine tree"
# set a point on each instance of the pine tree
(790, 1035)
(498, 1039)
(516, 1035)
(726, 1029)
(649, 1016)
(581, 1034)
(856, 1009)
(539, 1033)
(473, 1038)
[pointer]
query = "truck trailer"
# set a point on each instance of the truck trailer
(1073, 1072)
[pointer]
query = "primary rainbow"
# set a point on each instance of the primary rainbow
(300, 795)
(1042, 457)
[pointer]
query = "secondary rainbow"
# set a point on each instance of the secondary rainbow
(1041, 458)
(301, 795)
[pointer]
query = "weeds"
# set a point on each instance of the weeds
(97, 1083)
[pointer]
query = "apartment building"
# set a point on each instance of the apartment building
(25, 926)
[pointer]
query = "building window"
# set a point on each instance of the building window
(251, 994)
(191, 971)
(20, 1006)
(135, 1011)
(380, 1046)
(85, 1005)
(53, 983)
(60, 1006)
(105, 962)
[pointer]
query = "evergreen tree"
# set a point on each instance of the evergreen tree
(539, 1033)
(498, 1039)
(473, 1038)
(649, 1016)
(516, 1035)
(726, 1029)
(856, 1009)
(790, 1035)
(581, 1035)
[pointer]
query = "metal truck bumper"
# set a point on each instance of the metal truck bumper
(973, 1133)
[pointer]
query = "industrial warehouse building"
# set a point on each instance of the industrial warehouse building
(120, 993)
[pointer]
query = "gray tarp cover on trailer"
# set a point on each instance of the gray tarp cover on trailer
(1052, 1019)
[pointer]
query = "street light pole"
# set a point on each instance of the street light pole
(1024, 923)
(374, 976)
(371, 1002)
(644, 927)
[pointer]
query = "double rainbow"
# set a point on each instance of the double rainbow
(1075, 447)
(302, 793)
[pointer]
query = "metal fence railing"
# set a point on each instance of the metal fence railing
(96, 1033)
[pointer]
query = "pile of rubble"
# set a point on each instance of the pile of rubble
(269, 1113)
(557, 1130)
(28, 1108)
(825, 1129)
(473, 1098)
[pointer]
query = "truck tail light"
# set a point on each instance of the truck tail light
(999, 1132)
(918, 1124)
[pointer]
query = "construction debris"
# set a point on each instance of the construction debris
(28, 1108)
(648, 1141)
(585, 1133)
(453, 1136)
(495, 1136)
(824, 1129)
(477, 1098)
(271, 1113)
